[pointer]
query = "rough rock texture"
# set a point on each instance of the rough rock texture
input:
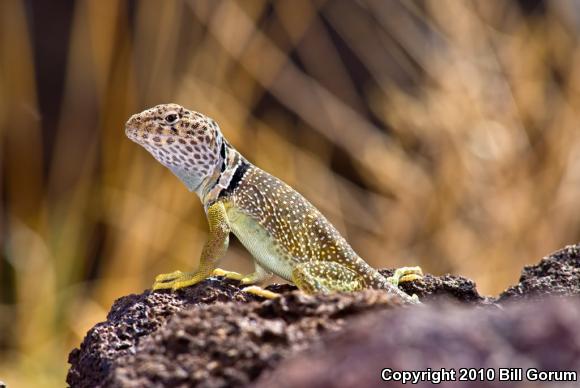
(214, 335)
(134, 317)
(556, 274)
(452, 287)
(439, 336)
(177, 338)
(226, 345)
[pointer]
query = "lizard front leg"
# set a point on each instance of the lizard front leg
(213, 250)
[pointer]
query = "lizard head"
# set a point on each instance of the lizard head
(186, 142)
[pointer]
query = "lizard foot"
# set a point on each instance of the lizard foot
(405, 274)
(259, 291)
(168, 276)
(227, 274)
(176, 280)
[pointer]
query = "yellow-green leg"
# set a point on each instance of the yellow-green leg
(213, 250)
(259, 275)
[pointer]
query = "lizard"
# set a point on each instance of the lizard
(282, 230)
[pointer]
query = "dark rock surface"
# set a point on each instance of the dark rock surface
(439, 336)
(135, 317)
(214, 335)
(556, 274)
(193, 336)
(230, 344)
(452, 287)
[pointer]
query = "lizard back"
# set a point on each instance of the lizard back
(301, 232)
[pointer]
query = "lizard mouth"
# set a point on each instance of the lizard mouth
(136, 135)
(131, 133)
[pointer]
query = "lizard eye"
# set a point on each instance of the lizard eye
(171, 118)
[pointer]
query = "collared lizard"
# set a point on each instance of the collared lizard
(285, 233)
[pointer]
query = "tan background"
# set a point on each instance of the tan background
(438, 133)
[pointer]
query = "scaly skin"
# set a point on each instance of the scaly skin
(284, 232)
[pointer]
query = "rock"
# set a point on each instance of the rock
(449, 287)
(173, 339)
(228, 345)
(135, 317)
(537, 335)
(556, 274)
(215, 335)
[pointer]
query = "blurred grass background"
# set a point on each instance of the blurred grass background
(438, 133)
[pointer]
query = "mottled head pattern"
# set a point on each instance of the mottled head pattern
(185, 141)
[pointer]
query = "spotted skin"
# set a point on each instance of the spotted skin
(283, 231)
(301, 232)
(186, 142)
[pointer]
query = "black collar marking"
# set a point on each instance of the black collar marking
(223, 155)
(236, 179)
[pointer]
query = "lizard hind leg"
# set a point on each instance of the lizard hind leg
(325, 277)
(259, 275)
